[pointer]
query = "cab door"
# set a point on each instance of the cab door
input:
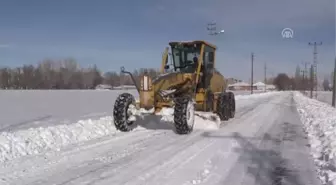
(208, 67)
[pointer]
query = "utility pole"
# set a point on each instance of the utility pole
(302, 81)
(305, 76)
(122, 79)
(315, 80)
(311, 80)
(334, 86)
(265, 76)
(252, 58)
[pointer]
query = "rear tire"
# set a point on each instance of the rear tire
(120, 112)
(232, 103)
(184, 115)
(223, 107)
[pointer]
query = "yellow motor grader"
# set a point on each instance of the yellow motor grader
(189, 83)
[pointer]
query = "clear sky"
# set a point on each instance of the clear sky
(133, 33)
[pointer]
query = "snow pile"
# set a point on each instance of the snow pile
(207, 121)
(319, 121)
(37, 140)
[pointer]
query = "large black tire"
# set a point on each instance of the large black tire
(232, 103)
(223, 107)
(120, 115)
(184, 115)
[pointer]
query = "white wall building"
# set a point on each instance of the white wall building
(262, 86)
(259, 86)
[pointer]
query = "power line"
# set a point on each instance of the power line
(311, 80)
(315, 80)
(212, 28)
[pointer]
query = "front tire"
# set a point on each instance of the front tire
(223, 107)
(184, 115)
(121, 112)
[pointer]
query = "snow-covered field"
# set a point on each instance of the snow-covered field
(258, 146)
(22, 109)
(35, 108)
(323, 96)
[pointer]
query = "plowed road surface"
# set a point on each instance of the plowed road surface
(264, 144)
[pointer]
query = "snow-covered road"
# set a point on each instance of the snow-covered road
(264, 144)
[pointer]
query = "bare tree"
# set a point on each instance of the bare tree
(64, 74)
(326, 84)
(283, 82)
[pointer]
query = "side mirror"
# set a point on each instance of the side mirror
(211, 56)
(122, 69)
(166, 66)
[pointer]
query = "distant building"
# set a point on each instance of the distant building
(240, 86)
(232, 81)
(124, 87)
(261, 86)
(270, 87)
(103, 86)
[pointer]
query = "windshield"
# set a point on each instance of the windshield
(185, 58)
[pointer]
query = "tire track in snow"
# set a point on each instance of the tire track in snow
(238, 167)
(217, 153)
(121, 168)
(265, 158)
(39, 164)
(176, 154)
(99, 165)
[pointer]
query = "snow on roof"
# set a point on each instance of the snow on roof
(239, 84)
(103, 86)
(259, 84)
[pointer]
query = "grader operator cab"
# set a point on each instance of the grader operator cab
(190, 83)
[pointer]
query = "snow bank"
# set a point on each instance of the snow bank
(37, 140)
(319, 121)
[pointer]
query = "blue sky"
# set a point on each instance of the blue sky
(112, 33)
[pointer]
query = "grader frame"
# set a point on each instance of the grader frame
(193, 84)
